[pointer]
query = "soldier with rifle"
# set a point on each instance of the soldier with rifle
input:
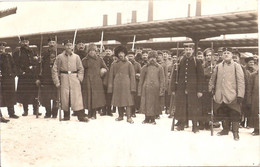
(49, 90)
(26, 63)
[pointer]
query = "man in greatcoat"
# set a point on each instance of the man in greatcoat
(137, 67)
(121, 83)
(92, 85)
(188, 90)
(108, 59)
(228, 87)
(26, 63)
(144, 58)
(67, 75)
(151, 88)
(253, 101)
(7, 74)
(48, 89)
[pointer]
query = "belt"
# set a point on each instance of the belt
(68, 72)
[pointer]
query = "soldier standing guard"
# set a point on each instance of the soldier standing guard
(188, 90)
(121, 83)
(7, 74)
(228, 86)
(49, 90)
(67, 74)
(26, 63)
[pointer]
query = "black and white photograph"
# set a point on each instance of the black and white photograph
(93, 83)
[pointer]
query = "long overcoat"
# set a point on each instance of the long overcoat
(151, 88)
(190, 78)
(48, 89)
(70, 83)
(137, 68)
(229, 83)
(26, 63)
(253, 98)
(8, 72)
(121, 82)
(92, 85)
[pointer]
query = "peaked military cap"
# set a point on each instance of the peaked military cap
(67, 41)
(228, 49)
(188, 45)
(51, 39)
(208, 50)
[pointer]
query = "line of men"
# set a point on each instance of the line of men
(93, 81)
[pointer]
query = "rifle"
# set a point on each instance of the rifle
(212, 100)
(133, 45)
(172, 102)
(101, 45)
(39, 87)
(74, 39)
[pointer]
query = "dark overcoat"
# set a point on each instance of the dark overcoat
(26, 64)
(48, 89)
(137, 68)
(121, 82)
(253, 98)
(8, 72)
(151, 88)
(92, 86)
(190, 77)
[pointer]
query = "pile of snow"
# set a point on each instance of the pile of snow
(28, 141)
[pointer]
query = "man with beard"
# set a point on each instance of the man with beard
(151, 88)
(67, 74)
(80, 49)
(200, 57)
(92, 85)
(188, 90)
(137, 68)
(49, 90)
(7, 74)
(26, 63)
(228, 87)
(220, 53)
(108, 59)
(121, 83)
(144, 58)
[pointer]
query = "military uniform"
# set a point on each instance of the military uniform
(49, 90)
(8, 73)
(26, 63)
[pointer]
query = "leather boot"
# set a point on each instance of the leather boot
(11, 112)
(25, 110)
(3, 120)
(180, 126)
(94, 114)
(109, 112)
(48, 112)
(146, 120)
(128, 114)
(153, 120)
(81, 116)
(121, 114)
(235, 127)
(54, 112)
(201, 125)
(66, 116)
(90, 113)
(226, 127)
(195, 128)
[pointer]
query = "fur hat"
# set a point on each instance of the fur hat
(152, 54)
(208, 50)
(119, 49)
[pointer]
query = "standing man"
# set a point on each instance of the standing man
(7, 74)
(121, 83)
(108, 59)
(26, 63)
(49, 90)
(137, 68)
(80, 49)
(151, 88)
(67, 74)
(228, 86)
(189, 89)
(92, 85)
(144, 58)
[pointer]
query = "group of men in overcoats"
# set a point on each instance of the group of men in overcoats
(145, 83)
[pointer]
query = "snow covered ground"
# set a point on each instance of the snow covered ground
(28, 141)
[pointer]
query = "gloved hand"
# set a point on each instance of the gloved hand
(239, 100)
